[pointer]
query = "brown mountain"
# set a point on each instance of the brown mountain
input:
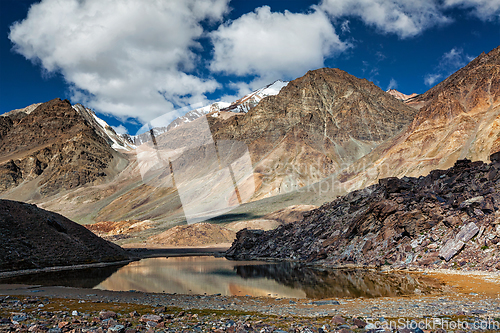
(317, 125)
(458, 118)
(50, 149)
(34, 238)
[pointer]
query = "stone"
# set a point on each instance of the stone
(358, 322)
(473, 201)
(19, 316)
(450, 249)
(467, 232)
(152, 318)
(495, 157)
(62, 324)
(326, 302)
(116, 329)
(107, 314)
(338, 320)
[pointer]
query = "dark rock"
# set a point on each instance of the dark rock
(358, 322)
(107, 314)
(26, 229)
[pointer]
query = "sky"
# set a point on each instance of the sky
(133, 60)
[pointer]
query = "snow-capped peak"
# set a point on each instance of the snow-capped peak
(251, 100)
(115, 140)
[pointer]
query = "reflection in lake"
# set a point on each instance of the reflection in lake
(199, 275)
(195, 275)
(80, 278)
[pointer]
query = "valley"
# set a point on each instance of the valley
(338, 187)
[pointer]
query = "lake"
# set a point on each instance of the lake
(209, 275)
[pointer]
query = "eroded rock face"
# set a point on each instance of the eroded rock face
(34, 238)
(53, 144)
(448, 218)
(317, 125)
(458, 118)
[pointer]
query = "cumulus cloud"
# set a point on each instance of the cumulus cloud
(401, 17)
(128, 58)
(449, 63)
(483, 9)
(120, 129)
(274, 45)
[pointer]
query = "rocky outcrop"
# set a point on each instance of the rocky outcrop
(33, 238)
(447, 219)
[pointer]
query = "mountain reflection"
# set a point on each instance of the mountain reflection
(200, 275)
(326, 283)
(80, 278)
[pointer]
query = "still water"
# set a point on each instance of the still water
(209, 275)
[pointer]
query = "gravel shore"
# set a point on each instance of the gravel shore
(61, 309)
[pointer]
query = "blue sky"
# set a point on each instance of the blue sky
(132, 61)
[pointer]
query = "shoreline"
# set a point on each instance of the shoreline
(455, 300)
(447, 303)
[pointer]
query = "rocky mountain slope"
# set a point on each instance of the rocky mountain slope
(317, 125)
(448, 219)
(54, 147)
(324, 124)
(34, 238)
(459, 118)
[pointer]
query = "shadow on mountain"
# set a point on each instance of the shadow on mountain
(233, 217)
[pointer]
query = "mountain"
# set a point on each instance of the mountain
(52, 148)
(444, 220)
(400, 95)
(244, 104)
(458, 118)
(33, 238)
(241, 105)
(197, 113)
(317, 125)
(116, 141)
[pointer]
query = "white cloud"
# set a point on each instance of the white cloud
(401, 17)
(449, 63)
(120, 129)
(274, 45)
(393, 84)
(484, 9)
(431, 79)
(344, 27)
(127, 58)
